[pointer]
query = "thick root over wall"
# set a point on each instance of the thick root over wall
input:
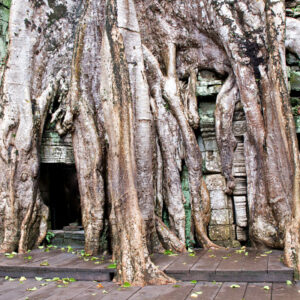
(114, 72)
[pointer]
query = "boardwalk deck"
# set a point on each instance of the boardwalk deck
(226, 265)
(87, 290)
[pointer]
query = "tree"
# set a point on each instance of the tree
(116, 71)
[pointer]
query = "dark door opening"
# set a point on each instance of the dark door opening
(60, 192)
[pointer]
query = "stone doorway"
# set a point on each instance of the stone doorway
(59, 188)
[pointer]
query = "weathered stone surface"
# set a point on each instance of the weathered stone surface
(297, 121)
(221, 232)
(221, 217)
(56, 149)
(292, 59)
(239, 168)
(241, 234)
(239, 128)
(240, 208)
(208, 84)
(219, 200)
(212, 162)
(295, 81)
(215, 182)
(240, 186)
(228, 243)
(206, 90)
(210, 143)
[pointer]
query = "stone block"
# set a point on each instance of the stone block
(215, 182)
(239, 168)
(239, 128)
(241, 234)
(210, 143)
(219, 200)
(295, 81)
(208, 90)
(240, 208)
(221, 232)
(221, 217)
(297, 123)
(56, 149)
(240, 186)
(212, 162)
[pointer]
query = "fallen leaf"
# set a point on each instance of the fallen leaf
(176, 285)
(126, 284)
(44, 264)
(192, 254)
(193, 281)
(199, 293)
(288, 282)
(234, 286)
(266, 287)
(194, 295)
(22, 278)
(31, 289)
(104, 292)
(38, 278)
(112, 266)
(100, 286)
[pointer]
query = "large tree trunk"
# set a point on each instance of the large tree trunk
(117, 70)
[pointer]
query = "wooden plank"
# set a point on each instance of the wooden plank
(53, 261)
(257, 291)
(175, 292)
(283, 291)
(184, 262)
(162, 261)
(73, 289)
(180, 268)
(208, 290)
(230, 267)
(118, 292)
(205, 267)
(227, 292)
(41, 293)
(277, 271)
(254, 267)
(16, 289)
(94, 292)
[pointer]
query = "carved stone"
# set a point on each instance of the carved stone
(219, 200)
(241, 234)
(221, 217)
(239, 168)
(240, 208)
(240, 186)
(221, 232)
(56, 149)
(215, 182)
(239, 128)
(212, 162)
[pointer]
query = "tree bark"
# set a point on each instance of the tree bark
(128, 97)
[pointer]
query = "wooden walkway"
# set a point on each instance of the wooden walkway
(232, 265)
(31, 289)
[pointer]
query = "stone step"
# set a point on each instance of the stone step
(216, 265)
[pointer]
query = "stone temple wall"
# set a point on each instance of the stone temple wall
(228, 224)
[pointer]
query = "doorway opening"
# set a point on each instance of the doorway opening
(60, 192)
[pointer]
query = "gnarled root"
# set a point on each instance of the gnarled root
(226, 100)
(168, 239)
